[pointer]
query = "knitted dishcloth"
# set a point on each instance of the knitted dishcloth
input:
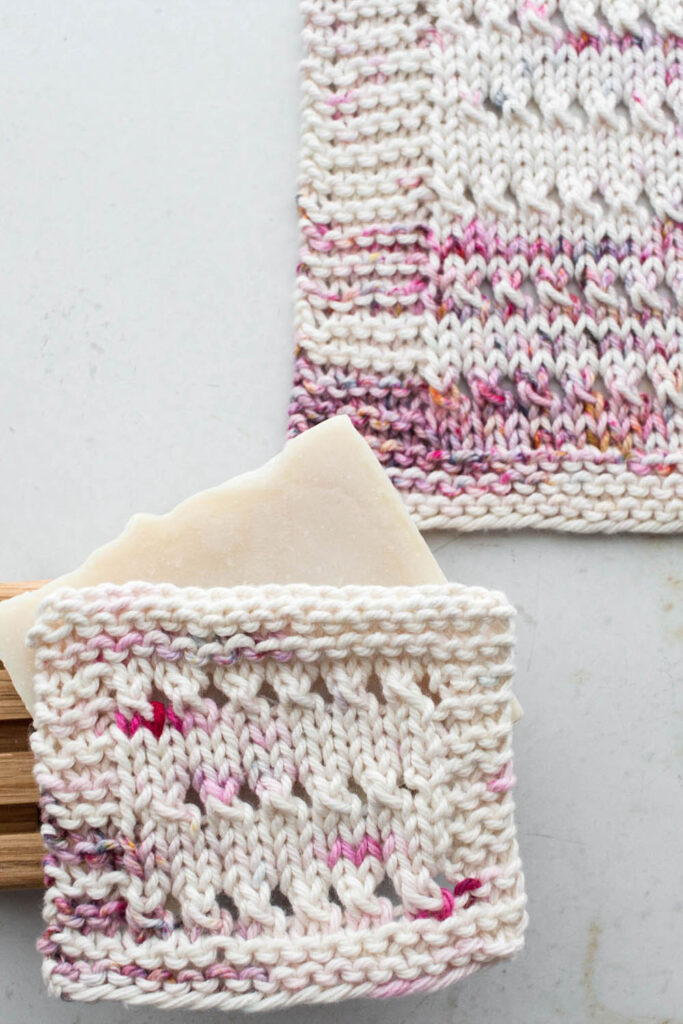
(262, 796)
(491, 275)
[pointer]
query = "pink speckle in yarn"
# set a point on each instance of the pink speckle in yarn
(160, 713)
(449, 898)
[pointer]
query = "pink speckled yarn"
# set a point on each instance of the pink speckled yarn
(264, 796)
(491, 276)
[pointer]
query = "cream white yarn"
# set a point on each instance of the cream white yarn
(261, 796)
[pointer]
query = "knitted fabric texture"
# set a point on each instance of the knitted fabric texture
(491, 281)
(258, 797)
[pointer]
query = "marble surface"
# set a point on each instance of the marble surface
(147, 254)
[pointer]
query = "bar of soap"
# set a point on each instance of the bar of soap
(322, 511)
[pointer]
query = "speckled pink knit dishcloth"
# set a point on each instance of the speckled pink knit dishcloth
(490, 282)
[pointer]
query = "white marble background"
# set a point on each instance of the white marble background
(147, 251)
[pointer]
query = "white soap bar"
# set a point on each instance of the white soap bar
(323, 511)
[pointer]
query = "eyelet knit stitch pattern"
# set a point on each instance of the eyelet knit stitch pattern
(491, 277)
(263, 796)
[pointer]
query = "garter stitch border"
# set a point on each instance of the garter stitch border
(491, 274)
(263, 796)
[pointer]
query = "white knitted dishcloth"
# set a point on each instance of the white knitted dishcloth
(263, 796)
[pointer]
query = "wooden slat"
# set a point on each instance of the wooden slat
(19, 818)
(16, 778)
(8, 590)
(11, 706)
(21, 847)
(20, 857)
(14, 736)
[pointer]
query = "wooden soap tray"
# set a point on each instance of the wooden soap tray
(21, 847)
